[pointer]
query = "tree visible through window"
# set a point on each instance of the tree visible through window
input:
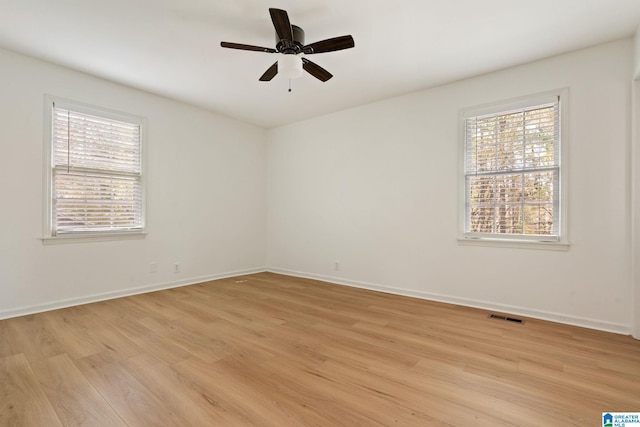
(96, 172)
(512, 172)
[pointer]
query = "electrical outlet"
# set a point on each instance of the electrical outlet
(336, 265)
(153, 267)
(176, 267)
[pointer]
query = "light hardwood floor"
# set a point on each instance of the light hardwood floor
(272, 350)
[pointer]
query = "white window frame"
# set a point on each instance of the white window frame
(561, 242)
(48, 234)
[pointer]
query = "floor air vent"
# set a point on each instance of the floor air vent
(508, 319)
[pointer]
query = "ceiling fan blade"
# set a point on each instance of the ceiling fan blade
(329, 45)
(270, 73)
(247, 47)
(315, 70)
(281, 23)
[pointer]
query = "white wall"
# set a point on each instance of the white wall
(635, 189)
(635, 207)
(206, 195)
(375, 188)
(636, 56)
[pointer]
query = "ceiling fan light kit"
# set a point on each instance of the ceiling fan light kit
(290, 66)
(290, 44)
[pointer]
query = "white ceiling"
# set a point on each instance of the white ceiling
(172, 47)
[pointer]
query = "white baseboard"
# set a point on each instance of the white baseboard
(485, 305)
(55, 305)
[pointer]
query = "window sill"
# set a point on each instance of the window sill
(515, 244)
(86, 238)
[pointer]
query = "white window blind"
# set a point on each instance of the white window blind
(512, 173)
(96, 174)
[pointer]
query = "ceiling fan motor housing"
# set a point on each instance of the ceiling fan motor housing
(291, 47)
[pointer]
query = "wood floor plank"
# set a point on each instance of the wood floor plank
(22, 399)
(523, 404)
(442, 400)
(191, 403)
(133, 402)
(198, 345)
(246, 401)
(335, 395)
(71, 332)
(5, 343)
(30, 335)
(272, 350)
(74, 399)
(153, 344)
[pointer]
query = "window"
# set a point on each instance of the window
(512, 172)
(95, 172)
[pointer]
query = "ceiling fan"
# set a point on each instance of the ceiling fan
(290, 43)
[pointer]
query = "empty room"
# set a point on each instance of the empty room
(320, 213)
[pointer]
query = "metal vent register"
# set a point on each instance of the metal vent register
(508, 319)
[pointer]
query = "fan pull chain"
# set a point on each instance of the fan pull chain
(289, 85)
